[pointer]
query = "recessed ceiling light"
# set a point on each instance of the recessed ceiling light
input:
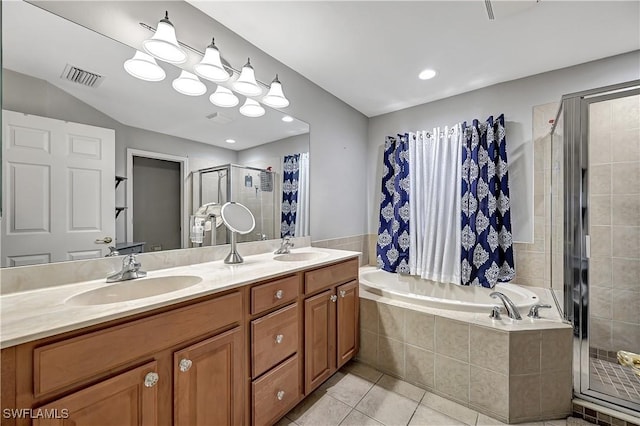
(230, 141)
(287, 119)
(426, 74)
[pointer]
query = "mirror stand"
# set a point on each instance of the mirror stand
(233, 257)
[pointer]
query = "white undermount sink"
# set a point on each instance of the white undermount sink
(299, 256)
(134, 289)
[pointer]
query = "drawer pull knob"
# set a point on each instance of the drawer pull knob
(280, 395)
(185, 364)
(343, 293)
(279, 338)
(151, 379)
(333, 298)
(279, 294)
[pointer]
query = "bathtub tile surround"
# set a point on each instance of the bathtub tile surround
(359, 243)
(360, 395)
(514, 375)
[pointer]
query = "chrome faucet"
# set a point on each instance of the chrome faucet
(130, 270)
(512, 309)
(285, 245)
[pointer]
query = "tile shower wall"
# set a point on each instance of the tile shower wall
(614, 200)
(511, 376)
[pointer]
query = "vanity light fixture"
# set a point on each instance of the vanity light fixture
(164, 45)
(287, 119)
(210, 67)
(223, 97)
(246, 84)
(144, 67)
(427, 74)
(275, 98)
(189, 84)
(252, 108)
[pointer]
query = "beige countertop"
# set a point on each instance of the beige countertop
(34, 314)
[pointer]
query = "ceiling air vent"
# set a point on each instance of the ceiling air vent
(80, 76)
(218, 118)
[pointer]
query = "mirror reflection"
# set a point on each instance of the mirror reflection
(121, 165)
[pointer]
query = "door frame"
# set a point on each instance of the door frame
(184, 202)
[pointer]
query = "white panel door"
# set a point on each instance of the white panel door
(58, 190)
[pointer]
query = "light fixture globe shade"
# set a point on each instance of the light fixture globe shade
(275, 97)
(224, 98)
(210, 67)
(189, 84)
(252, 108)
(144, 67)
(246, 84)
(164, 45)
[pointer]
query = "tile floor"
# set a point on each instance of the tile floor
(360, 395)
(615, 379)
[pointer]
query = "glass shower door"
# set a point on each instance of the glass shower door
(600, 178)
(614, 233)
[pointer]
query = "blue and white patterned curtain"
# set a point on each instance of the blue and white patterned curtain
(392, 248)
(487, 252)
(290, 179)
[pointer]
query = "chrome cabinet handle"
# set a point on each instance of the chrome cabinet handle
(185, 364)
(343, 293)
(279, 294)
(279, 338)
(333, 298)
(280, 395)
(151, 379)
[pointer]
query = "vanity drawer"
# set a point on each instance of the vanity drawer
(330, 275)
(275, 293)
(78, 359)
(276, 392)
(274, 337)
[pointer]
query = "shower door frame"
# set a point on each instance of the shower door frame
(575, 108)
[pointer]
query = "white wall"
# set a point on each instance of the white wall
(516, 100)
(338, 137)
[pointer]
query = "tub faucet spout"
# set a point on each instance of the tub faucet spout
(512, 309)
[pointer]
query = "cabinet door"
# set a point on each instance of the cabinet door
(130, 398)
(319, 335)
(347, 321)
(208, 386)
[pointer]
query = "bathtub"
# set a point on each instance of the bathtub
(453, 297)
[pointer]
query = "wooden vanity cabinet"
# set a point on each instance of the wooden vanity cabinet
(330, 321)
(246, 356)
(276, 349)
(130, 371)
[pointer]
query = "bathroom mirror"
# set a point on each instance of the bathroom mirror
(154, 127)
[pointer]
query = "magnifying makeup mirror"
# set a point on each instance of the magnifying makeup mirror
(239, 220)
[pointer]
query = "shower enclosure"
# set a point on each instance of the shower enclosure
(595, 236)
(253, 187)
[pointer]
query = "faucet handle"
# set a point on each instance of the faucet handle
(533, 311)
(495, 313)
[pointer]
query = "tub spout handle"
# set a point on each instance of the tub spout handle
(495, 313)
(509, 306)
(533, 311)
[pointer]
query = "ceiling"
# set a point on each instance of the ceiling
(369, 53)
(30, 35)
